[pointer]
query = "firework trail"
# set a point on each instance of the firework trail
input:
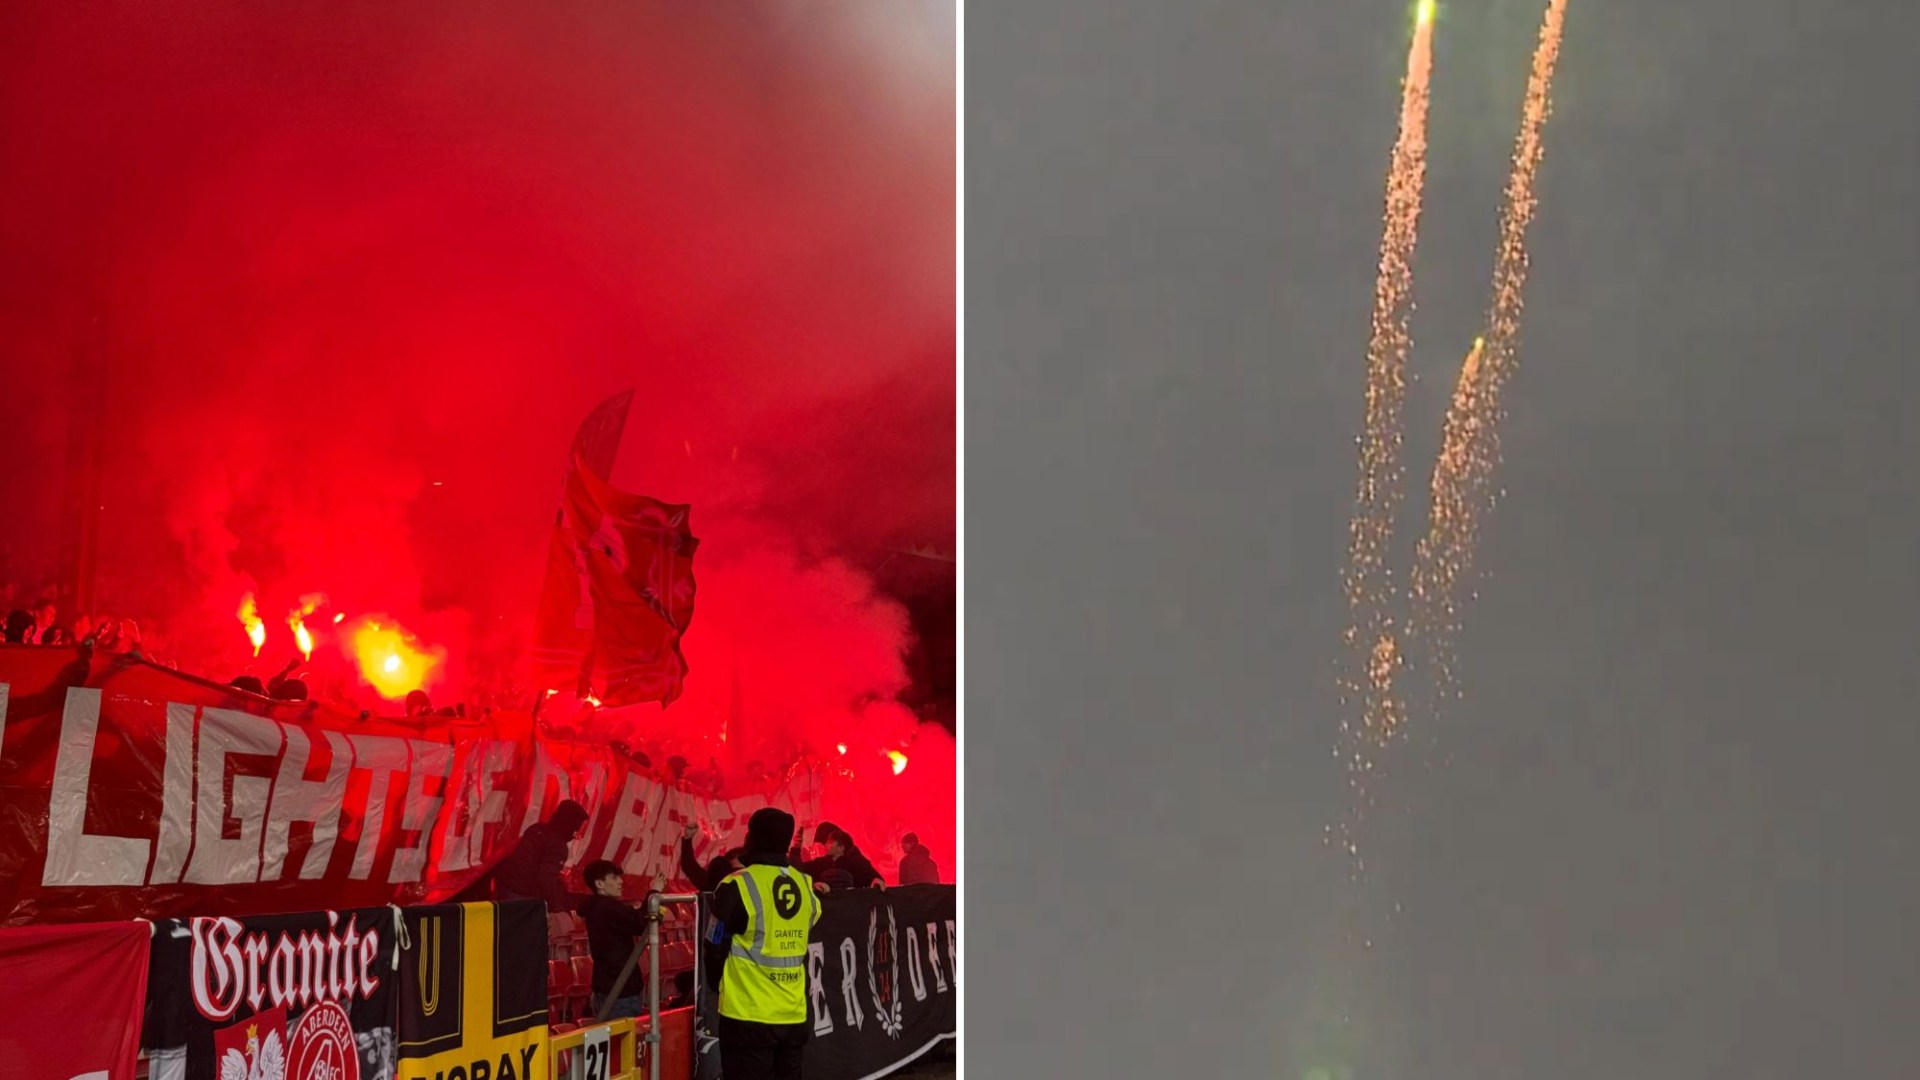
(1461, 476)
(1463, 488)
(1370, 593)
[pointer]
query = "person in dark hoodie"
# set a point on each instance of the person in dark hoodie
(533, 870)
(917, 866)
(763, 915)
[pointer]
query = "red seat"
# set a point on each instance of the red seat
(580, 996)
(559, 986)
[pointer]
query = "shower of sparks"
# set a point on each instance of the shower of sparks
(1371, 636)
(1463, 475)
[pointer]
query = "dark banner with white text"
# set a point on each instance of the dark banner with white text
(882, 980)
(285, 997)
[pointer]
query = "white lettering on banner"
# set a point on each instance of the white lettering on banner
(544, 772)
(933, 957)
(658, 853)
(296, 798)
(176, 799)
(629, 822)
(75, 856)
(379, 756)
(217, 860)
(418, 811)
(227, 965)
(953, 955)
(100, 1075)
(216, 827)
(817, 988)
(915, 977)
(480, 804)
(849, 969)
(592, 794)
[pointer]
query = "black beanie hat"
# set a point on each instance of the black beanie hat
(769, 831)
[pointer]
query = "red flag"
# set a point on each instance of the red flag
(71, 1001)
(619, 594)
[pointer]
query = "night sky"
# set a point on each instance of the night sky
(1670, 832)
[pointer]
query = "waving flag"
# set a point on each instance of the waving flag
(619, 589)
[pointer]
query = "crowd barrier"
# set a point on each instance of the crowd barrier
(446, 992)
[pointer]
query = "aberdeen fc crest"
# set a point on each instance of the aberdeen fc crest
(322, 1046)
(258, 1047)
(883, 971)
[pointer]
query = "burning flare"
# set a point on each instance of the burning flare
(297, 619)
(250, 619)
(899, 761)
(391, 660)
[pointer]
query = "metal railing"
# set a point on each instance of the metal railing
(651, 1060)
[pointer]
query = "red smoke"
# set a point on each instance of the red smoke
(356, 271)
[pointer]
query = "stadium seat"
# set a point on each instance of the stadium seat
(580, 993)
(559, 986)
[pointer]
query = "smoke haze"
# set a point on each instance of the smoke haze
(353, 273)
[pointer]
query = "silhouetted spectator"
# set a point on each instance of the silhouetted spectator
(19, 626)
(843, 866)
(43, 614)
(250, 683)
(418, 705)
(917, 866)
(533, 870)
(704, 878)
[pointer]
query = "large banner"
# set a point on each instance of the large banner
(882, 977)
(473, 992)
(70, 1001)
(128, 790)
(274, 997)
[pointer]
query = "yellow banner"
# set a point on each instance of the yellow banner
(473, 993)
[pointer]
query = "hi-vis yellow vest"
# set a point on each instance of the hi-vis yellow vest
(765, 980)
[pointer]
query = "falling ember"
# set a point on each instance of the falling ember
(390, 659)
(1460, 489)
(340, 618)
(1370, 592)
(899, 761)
(841, 747)
(250, 619)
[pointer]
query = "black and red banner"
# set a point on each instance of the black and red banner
(882, 979)
(70, 1001)
(273, 997)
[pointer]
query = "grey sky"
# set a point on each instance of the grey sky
(1672, 831)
